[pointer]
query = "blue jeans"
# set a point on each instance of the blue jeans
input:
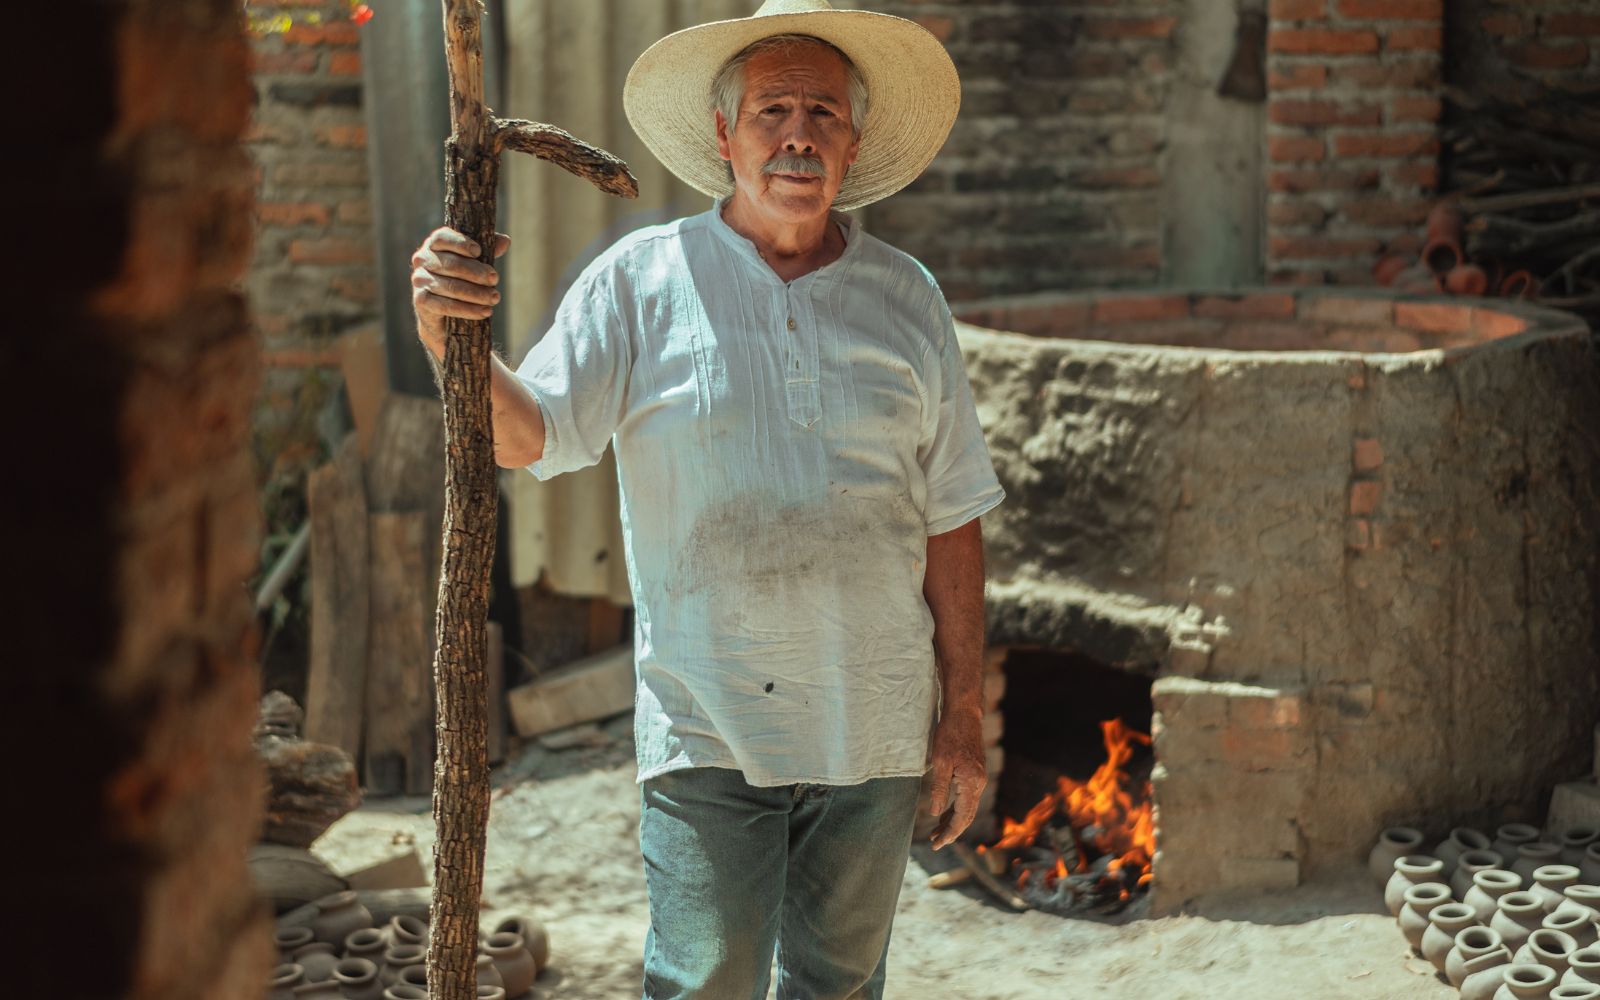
(734, 871)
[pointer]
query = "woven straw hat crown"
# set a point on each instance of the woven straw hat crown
(913, 94)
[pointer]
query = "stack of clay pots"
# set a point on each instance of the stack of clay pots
(1512, 916)
(340, 955)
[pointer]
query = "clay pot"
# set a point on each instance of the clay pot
(1393, 844)
(1518, 285)
(1550, 883)
(488, 974)
(284, 979)
(1511, 836)
(491, 993)
(1470, 943)
(406, 930)
(1469, 864)
(401, 991)
(317, 959)
(1413, 869)
(1518, 915)
(1444, 923)
(325, 990)
(515, 962)
(1526, 982)
(358, 979)
(1487, 888)
(1421, 900)
(1442, 256)
(537, 941)
(1589, 867)
(399, 957)
(367, 943)
(1531, 857)
(1485, 974)
(1583, 966)
(1586, 896)
(1444, 221)
(415, 975)
(289, 939)
(1462, 838)
(1383, 273)
(1466, 279)
(1576, 991)
(1575, 841)
(1573, 920)
(1418, 280)
(1547, 948)
(339, 916)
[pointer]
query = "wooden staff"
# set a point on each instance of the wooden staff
(461, 767)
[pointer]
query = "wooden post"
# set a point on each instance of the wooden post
(461, 768)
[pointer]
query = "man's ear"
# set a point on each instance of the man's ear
(723, 148)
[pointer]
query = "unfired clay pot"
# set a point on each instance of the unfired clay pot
(291, 939)
(367, 943)
(402, 991)
(1550, 883)
(1512, 836)
(1485, 974)
(488, 975)
(1470, 943)
(1547, 948)
(1444, 923)
(1469, 864)
(1589, 867)
(325, 990)
(1487, 888)
(1583, 966)
(491, 993)
(1413, 869)
(1577, 922)
(515, 962)
(398, 958)
(406, 930)
(1534, 856)
(1519, 914)
(1575, 841)
(339, 916)
(317, 959)
(1576, 991)
(1393, 844)
(1586, 896)
(537, 941)
(1421, 900)
(1526, 982)
(358, 979)
(1462, 838)
(284, 979)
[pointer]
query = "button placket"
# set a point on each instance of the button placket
(801, 382)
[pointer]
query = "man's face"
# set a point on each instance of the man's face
(796, 108)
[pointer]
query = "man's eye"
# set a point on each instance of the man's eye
(819, 109)
(774, 109)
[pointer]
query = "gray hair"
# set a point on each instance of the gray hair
(727, 90)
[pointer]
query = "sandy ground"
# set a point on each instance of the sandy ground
(563, 848)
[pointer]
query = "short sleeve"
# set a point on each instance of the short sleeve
(578, 373)
(954, 458)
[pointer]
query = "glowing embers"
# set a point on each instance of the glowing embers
(1086, 847)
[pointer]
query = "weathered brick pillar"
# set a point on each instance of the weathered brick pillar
(134, 511)
(1352, 113)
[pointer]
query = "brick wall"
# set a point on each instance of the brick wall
(136, 519)
(1051, 176)
(1352, 116)
(1556, 42)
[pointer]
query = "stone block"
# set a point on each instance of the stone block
(1574, 803)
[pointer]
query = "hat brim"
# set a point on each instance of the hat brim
(913, 94)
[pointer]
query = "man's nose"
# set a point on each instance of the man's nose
(800, 138)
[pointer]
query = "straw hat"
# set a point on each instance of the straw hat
(912, 89)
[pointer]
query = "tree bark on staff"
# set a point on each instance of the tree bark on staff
(461, 768)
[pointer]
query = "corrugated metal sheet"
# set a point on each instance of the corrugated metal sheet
(565, 64)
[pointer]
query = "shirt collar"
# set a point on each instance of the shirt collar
(849, 224)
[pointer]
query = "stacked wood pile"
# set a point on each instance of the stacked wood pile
(1524, 221)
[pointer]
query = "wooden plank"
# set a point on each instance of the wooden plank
(605, 625)
(337, 673)
(366, 380)
(399, 741)
(405, 472)
(494, 665)
(592, 688)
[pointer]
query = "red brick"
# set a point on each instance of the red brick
(1132, 308)
(1490, 323)
(1393, 10)
(1129, 27)
(1294, 276)
(1297, 76)
(357, 211)
(1425, 175)
(1390, 74)
(1326, 179)
(1415, 109)
(1504, 24)
(1116, 177)
(1296, 212)
(1346, 309)
(345, 63)
(291, 213)
(302, 357)
(1296, 148)
(1322, 247)
(330, 251)
(1366, 454)
(343, 136)
(1322, 41)
(1433, 317)
(292, 61)
(1308, 112)
(1358, 534)
(320, 175)
(1385, 144)
(1297, 10)
(1534, 55)
(1409, 39)
(1258, 306)
(1570, 24)
(339, 32)
(1364, 497)
(1386, 212)
(939, 27)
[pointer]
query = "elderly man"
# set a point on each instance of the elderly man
(801, 473)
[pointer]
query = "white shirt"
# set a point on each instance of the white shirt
(784, 451)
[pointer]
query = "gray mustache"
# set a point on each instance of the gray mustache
(795, 164)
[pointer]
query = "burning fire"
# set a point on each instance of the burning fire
(1106, 819)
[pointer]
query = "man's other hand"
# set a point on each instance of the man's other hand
(959, 774)
(447, 279)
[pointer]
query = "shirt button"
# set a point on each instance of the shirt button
(791, 322)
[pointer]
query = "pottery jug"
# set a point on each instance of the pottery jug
(537, 941)
(1526, 982)
(406, 930)
(1421, 900)
(1575, 841)
(515, 962)
(358, 979)
(398, 957)
(1470, 943)
(1547, 948)
(290, 939)
(1550, 883)
(1413, 869)
(1462, 838)
(1576, 991)
(1576, 921)
(1589, 867)
(401, 991)
(415, 975)
(488, 975)
(1393, 844)
(284, 979)
(1444, 923)
(325, 990)
(317, 959)
(1583, 966)
(1512, 836)
(338, 916)
(1584, 895)
(1487, 888)
(1469, 864)
(1485, 974)
(1518, 914)
(1534, 856)
(367, 943)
